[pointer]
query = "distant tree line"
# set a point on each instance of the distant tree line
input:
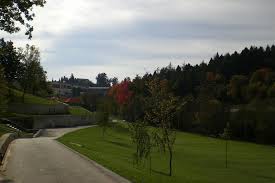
(102, 80)
(79, 87)
(237, 88)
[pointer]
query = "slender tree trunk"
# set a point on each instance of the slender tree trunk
(23, 96)
(150, 165)
(226, 153)
(245, 130)
(33, 91)
(104, 128)
(136, 156)
(170, 160)
(9, 94)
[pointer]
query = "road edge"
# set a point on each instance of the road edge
(3, 177)
(104, 170)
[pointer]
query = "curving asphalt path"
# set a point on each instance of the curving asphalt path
(44, 160)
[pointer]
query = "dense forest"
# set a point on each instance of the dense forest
(233, 89)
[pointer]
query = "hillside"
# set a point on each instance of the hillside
(197, 159)
(16, 97)
(5, 129)
(79, 111)
(236, 89)
(31, 99)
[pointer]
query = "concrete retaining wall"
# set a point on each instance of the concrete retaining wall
(38, 109)
(5, 140)
(56, 121)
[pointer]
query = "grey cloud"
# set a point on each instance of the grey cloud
(155, 33)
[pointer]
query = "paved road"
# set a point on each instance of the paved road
(44, 160)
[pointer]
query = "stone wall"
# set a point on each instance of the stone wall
(5, 140)
(38, 109)
(58, 121)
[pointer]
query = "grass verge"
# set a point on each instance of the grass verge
(197, 159)
(79, 111)
(30, 99)
(5, 129)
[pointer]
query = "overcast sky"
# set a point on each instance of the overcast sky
(128, 37)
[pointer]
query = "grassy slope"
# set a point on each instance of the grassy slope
(31, 99)
(4, 129)
(197, 158)
(79, 111)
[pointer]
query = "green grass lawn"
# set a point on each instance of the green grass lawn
(5, 129)
(79, 111)
(30, 99)
(196, 158)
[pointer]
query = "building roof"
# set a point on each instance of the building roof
(99, 88)
(73, 100)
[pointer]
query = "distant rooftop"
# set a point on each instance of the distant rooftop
(99, 88)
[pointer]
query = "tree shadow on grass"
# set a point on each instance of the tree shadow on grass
(120, 129)
(266, 177)
(6, 181)
(119, 144)
(160, 172)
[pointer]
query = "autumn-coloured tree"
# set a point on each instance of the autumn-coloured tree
(237, 87)
(271, 91)
(161, 113)
(219, 90)
(210, 76)
(259, 82)
(121, 92)
(262, 75)
(140, 136)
